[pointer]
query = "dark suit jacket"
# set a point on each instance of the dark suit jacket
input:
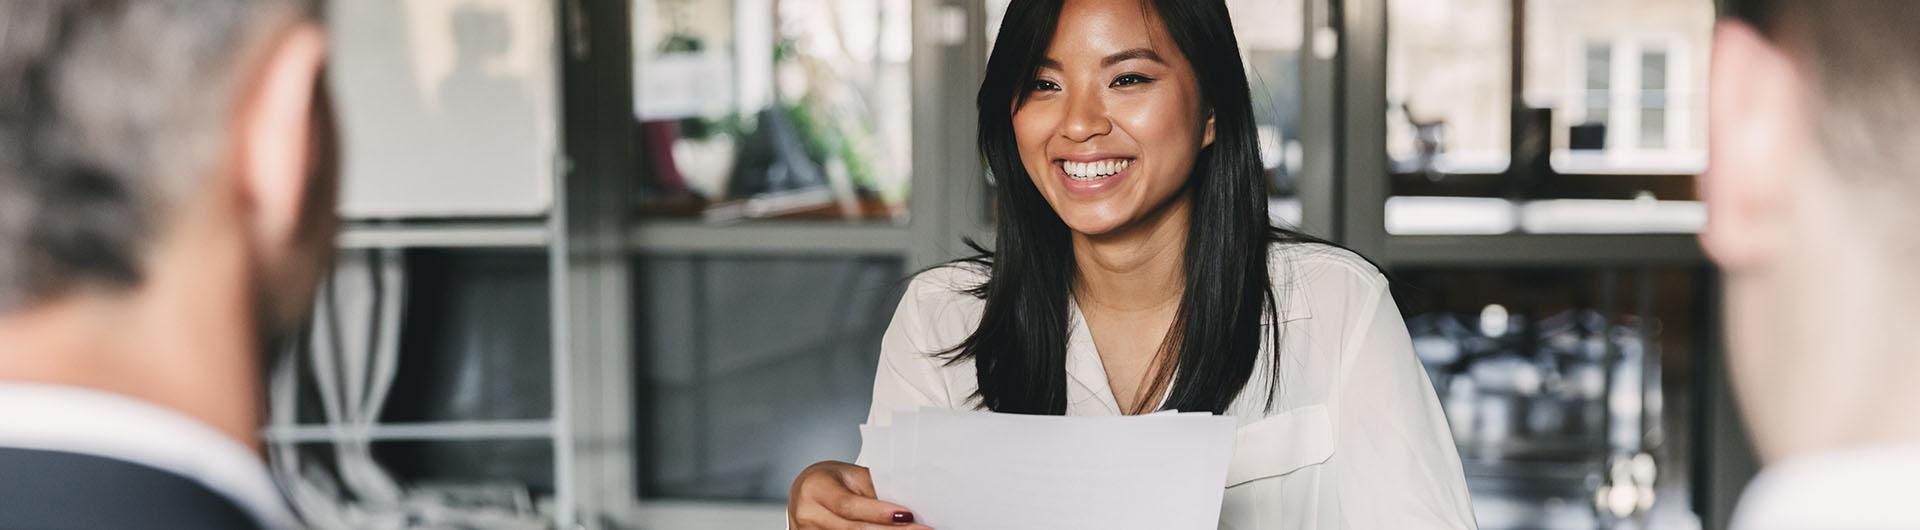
(54, 490)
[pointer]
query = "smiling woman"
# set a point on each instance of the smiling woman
(1100, 84)
(1134, 269)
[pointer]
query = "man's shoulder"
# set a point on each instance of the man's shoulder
(85, 452)
(1851, 488)
(55, 489)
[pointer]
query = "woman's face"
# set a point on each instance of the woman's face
(1113, 120)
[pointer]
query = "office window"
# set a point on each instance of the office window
(1610, 106)
(1449, 98)
(1628, 108)
(1625, 82)
(752, 109)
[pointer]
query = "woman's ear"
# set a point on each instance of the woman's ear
(1206, 138)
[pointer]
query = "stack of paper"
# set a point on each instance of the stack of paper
(984, 471)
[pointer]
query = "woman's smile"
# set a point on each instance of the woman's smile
(1086, 176)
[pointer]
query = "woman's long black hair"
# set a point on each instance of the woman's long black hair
(1019, 348)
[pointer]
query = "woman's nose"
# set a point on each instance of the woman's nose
(1086, 118)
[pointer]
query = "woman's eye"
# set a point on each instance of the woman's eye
(1043, 85)
(1130, 79)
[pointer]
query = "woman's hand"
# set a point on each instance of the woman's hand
(839, 496)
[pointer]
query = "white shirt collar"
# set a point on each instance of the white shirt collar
(1853, 488)
(103, 424)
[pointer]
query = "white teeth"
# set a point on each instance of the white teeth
(1094, 170)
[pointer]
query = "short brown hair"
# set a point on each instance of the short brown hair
(1865, 63)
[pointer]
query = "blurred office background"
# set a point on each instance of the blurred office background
(626, 263)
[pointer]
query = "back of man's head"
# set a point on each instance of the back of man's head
(1861, 59)
(166, 194)
(113, 114)
(1812, 193)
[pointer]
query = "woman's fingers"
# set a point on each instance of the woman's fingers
(818, 517)
(839, 496)
(854, 507)
(855, 478)
(862, 504)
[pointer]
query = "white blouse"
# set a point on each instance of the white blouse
(1355, 438)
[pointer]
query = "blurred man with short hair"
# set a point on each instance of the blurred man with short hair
(166, 202)
(1814, 194)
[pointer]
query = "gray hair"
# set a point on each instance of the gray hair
(111, 112)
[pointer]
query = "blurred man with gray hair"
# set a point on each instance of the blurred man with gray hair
(1814, 194)
(166, 202)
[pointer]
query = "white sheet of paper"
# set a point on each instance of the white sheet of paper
(978, 471)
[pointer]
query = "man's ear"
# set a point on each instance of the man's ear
(273, 140)
(1759, 139)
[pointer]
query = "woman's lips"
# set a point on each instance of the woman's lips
(1093, 177)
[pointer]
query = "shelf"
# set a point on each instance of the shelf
(1520, 250)
(471, 234)
(1465, 216)
(453, 430)
(769, 237)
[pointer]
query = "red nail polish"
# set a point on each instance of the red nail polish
(902, 517)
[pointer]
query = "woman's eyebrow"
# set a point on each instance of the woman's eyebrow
(1136, 53)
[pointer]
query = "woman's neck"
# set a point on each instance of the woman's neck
(1138, 268)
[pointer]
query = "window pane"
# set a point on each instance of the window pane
(1599, 66)
(757, 109)
(753, 368)
(1653, 128)
(1599, 82)
(1653, 100)
(1448, 90)
(1653, 72)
